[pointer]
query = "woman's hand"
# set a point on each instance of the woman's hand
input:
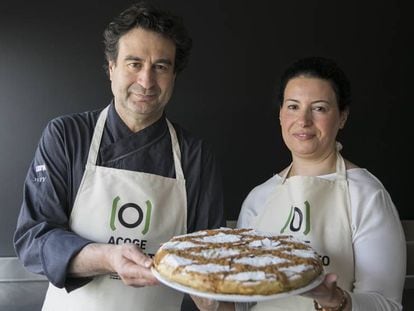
(328, 294)
(205, 304)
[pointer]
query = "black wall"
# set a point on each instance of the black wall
(51, 64)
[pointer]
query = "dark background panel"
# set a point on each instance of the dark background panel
(51, 64)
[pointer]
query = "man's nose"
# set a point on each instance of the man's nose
(146, 78)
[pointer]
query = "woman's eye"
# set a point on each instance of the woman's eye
(319, 108)
(292, 107)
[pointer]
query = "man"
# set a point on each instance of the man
(107, 187)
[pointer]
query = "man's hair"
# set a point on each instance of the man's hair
(322, 68)
(147, 16)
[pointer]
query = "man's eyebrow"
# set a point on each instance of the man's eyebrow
(164, 61)
(130, 57)
(158, 61)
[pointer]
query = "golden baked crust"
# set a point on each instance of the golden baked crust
(238, 261)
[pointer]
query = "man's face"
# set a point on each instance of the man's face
(142, 77)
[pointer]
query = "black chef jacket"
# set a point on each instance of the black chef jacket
(43, 239)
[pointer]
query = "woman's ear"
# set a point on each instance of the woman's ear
(280, 110)
(344, 117)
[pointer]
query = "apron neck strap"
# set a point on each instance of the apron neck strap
(97, 138)
(340, 169)
(176, 151)
(286, 173)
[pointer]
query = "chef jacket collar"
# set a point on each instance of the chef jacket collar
(119, 140)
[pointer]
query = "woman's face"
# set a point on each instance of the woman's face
(310, 117)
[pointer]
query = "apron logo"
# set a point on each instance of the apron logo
(126, 222)
(296, 218)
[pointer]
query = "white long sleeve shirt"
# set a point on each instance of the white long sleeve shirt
(377, 235)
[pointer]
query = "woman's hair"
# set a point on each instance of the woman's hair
(147, 16)
(321, 68)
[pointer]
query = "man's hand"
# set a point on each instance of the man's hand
(127, 260)
(132, 266)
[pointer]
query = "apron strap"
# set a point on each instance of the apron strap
(286, 173)
(97, 137)
(176, 152)
(340, 169)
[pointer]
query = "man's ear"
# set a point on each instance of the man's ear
(111, 67)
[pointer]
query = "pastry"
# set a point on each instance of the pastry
(238, 261)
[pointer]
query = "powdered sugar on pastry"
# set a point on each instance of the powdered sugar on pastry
(238, 261)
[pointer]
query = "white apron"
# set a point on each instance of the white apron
(315, 210)
(120, 206)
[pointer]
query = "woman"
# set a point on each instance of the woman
(341, 209)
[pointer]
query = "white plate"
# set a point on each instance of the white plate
(236, 298)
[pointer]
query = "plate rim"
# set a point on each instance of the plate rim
(235, 297)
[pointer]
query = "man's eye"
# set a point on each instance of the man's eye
(160, 67)
(134, 65)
